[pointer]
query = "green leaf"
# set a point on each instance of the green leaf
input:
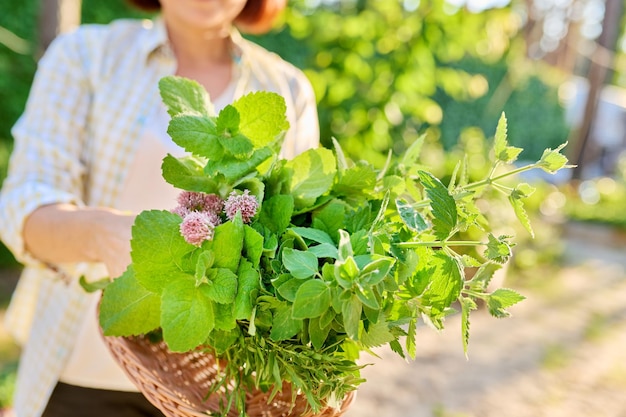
(324, 250)
(276, 212)
(345, 246)
(127, 308)
(228, 121)
(375, 271)
(187, 174)
(222, 285)
(411, 347)
(440, 278)
(518, 207)
(182, 95)
(317, 333)
(224, 318)
(237, 146)
(346, 272)
(498, 249)
(411, 217)
(284, 326)
(289, 288)
(411, 155)
(442, 205)
(356, 180)
(501, 299)
(204, 262)
(248, 286)
(397, 348)
(93, 286)
(157, 247)
(311, 174)
(221, 340)
(312, 299)
(301, 264)
(552, 160)
(351, 311)
(196, 134)
(467, 305)
(315, 235)
(227, 244)
(367, 297)
(234, 169)
(252, 245)
(359, 219)
(187, 315)
(502, 151)
(395, 184)
(485, 273)
(377, 334)
(330, 219)
(327, 318)
(262, 117)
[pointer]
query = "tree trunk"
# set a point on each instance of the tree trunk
(597, 76)
(56, 16)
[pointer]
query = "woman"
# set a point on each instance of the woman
(87, 158)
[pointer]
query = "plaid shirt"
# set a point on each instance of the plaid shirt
(92, 93)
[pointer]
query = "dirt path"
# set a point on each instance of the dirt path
(562, 353)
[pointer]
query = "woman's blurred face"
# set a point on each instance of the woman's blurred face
(202, 14)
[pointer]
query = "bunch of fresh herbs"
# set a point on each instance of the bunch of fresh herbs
(336, 258)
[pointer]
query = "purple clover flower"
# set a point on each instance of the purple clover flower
(189, 201)
(197, 227)
(244, 203)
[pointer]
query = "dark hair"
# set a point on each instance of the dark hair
(256, 17)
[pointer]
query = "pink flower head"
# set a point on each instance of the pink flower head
(244, 203)
(189, 201)
(213, 203)
(198, 227)
(180, 210)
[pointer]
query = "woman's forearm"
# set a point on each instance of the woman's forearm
(61, 233)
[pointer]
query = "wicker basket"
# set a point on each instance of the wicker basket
(177, 383)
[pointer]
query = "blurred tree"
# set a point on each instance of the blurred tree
(56, 16)
(386, 71)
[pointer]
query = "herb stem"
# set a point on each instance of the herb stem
(410, 245)
(475, 294)
(490, 180)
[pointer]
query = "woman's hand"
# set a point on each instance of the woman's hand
(112, 241)
(60, 233)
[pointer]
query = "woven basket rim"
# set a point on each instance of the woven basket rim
(163, 377)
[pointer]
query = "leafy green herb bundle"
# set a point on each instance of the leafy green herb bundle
(304, 263)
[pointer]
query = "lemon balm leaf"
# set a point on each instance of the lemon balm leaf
(187, 315)
(157, 247)
(196, 134)
(127, 308)
(187, 174)
(182, 95)
(311, 174)
(227, 122)
(262, 117)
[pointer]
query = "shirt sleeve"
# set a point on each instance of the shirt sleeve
(45, 166)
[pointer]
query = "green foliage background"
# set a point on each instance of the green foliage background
(384, 72)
